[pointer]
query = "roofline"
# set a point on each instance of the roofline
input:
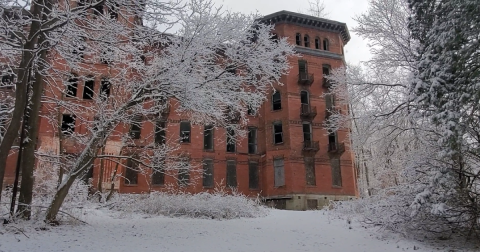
(308, 21)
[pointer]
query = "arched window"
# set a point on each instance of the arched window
(326, 45)
(317, 43)
(304, 97)
(306, 41)
(298, 39)
(276, 101)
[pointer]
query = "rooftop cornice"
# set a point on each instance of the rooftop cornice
(308, 21)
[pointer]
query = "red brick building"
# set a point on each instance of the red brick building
(288, 158)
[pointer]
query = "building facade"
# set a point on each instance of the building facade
(288, 158)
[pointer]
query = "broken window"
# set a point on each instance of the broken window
(336, 172)
(72, 85)
(68, 124)
(208, 173)
(131, 171)
(231, 173)
(253, 176)
(250, 111)
(298, 39)
(88, 88)
(158, 174)
(136, 127)
(252, 140)
(208, 137)
(231, 142)
(310, 170)
(184, 132)
(7, 79)
(276, 101)
(183, 176)
(279, 172)
(317, 43)
(325, 45)
(306, 41)
(160, 131)
(105, 88)
(277, 133)
(307, 132)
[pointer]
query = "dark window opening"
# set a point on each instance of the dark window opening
(105, 88)
(113, 9)
(250, 111)
(307, 132)
(79, 50)
(231, 173)
(185, 132)
(326, 70)
(143, 59)
(136, 127)
(231, 69)
(298, 39)
(304, 97)
(7, 79)
(306, 41)
(336, 172)
(131, 172)
(158, 173)
(72, 85)
(253, 175)
(160, 132)
(183, 177)
(275, 38)
(68, 124)
(208, 173)
(88, 88)
(231, 142)
(81, 3)
(276, 101)
(98, 9)
(279, 172)
(277, 133)
(325, 45)
(310, 171)
(252, 140)
(302, 67)
(208, 137)
(317, 43)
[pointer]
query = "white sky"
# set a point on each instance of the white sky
(339, 10)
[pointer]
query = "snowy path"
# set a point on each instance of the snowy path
(280, 231)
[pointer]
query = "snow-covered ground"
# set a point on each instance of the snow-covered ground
(279, 231)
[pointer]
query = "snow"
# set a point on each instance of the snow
(279, 231)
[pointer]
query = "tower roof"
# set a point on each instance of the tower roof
(308, 21)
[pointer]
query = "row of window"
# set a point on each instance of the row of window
(183, 177)
(88, 88)
(319, 44)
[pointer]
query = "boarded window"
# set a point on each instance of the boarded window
(72, 86)
(276, 101)
(158, 173)
(131, 172)
(88, 88)
(279, 172)
(68, 124)
(306, 41)
(208, 137)
(160, 132)
(231, 142)
(105, 88)
(185, 132)
(231, 173)
(298, 39)
(136, 127)
(183, 176)
(208, 173)
(336, 172)
(253, 176)
(252, 140)
(302, 67)
(307, 132)
(317, 43)
(310, 170)
(277, 133)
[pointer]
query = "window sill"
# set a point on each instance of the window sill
(186, 143)
(279, 143)
(208, 187)
(159, 185)
(336, 187)
(212, 150)
(254, 189)
(131, 185)
(277, 110)
(311, 186)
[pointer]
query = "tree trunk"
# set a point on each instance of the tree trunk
(21, 90)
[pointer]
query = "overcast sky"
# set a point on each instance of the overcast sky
(340, 10)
